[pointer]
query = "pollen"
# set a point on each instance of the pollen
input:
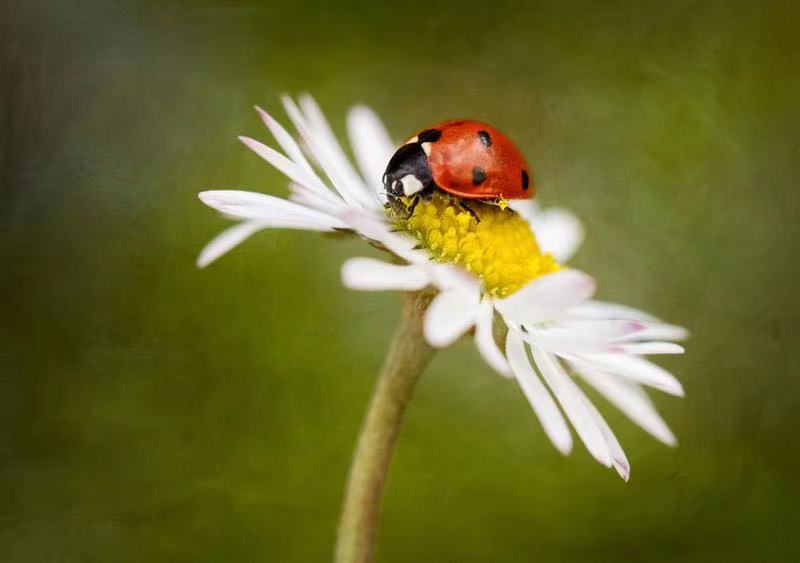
(490, 241)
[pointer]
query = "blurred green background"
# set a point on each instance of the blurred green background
(150, 411)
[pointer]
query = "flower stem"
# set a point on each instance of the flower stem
(408, 356)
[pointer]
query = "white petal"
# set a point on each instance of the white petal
(330, 154)
(372, 146)
(447, 277)
(325, 201)
(369, 274)
(226, 240)
(542, 403)
(629, 398)
(574, 404)
(645, 348)
(313, 183)
(618, 458)
(279, 161)
(323, 129)
(485, 342)
(285, 140)
(525, 207)
(660, 331)
(632, 367)
(546, 297)
(582, 336)
(451, 314)
(558, 232)
(320, 147)
(250, 205)
(374, 227)
(605, 331)
(594, 309)
(654, 328)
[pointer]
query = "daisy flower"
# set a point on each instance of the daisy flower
(496, 271)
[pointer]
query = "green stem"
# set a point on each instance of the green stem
(408, 356)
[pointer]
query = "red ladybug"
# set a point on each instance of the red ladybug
(469, 159)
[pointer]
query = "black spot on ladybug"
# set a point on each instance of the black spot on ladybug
(429, 136)
(485, 138)
(525, 180)
(478, 175)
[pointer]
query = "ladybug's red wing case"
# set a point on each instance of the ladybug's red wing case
(474, 160)
(468, 159)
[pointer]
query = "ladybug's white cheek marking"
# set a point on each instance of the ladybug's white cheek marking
(413, 139)
(411, 184)
(426, 148)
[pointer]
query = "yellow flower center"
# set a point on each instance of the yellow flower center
(500, 249)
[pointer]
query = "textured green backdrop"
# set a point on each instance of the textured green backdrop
(153, 412)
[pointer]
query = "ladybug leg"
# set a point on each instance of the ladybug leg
(463, 205)
(413, 206)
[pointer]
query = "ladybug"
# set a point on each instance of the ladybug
(464, 158)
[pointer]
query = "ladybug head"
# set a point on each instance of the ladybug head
(408, 172)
